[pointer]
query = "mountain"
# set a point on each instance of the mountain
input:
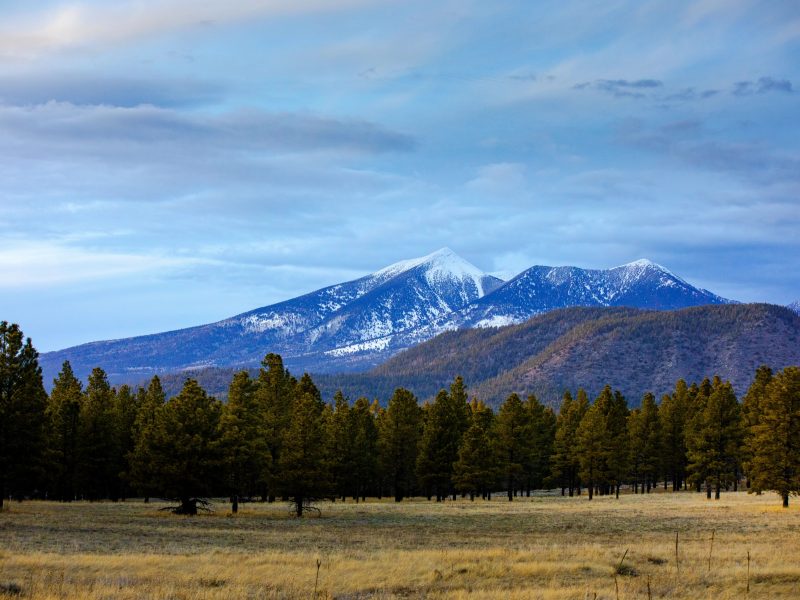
(641, 284)
(325, 329)
(795, 306)
(359, 324)
(630, 349)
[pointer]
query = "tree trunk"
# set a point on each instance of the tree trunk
(298, 501)
(785, 500)
(235, 504)
(188, 506)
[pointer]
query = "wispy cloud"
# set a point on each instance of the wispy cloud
(763, 85)
(621, 88)
(35, 264)
(80, 88)
(103, 128)
(99, 24)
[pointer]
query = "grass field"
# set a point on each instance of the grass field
(542, 547)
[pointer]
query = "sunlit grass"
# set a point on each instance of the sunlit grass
(542, 547)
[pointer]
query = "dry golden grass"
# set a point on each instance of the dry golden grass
(543, 547)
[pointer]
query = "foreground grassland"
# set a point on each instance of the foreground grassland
(543, 547)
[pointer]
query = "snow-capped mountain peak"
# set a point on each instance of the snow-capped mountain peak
(440, 266)
(355, 324)
(644, 264)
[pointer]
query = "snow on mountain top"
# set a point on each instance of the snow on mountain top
(644, 264)
(439, 266)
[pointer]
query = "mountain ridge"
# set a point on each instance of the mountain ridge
(357, 325)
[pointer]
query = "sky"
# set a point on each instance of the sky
(168, 163)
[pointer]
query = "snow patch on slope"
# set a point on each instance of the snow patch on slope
(376, 345)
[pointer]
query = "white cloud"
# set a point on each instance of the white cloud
(28, 264)
(80, 25)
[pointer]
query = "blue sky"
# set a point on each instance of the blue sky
(170, 163)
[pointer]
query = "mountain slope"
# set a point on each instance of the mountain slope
(328, 327)
(640, 284)
(632, 350)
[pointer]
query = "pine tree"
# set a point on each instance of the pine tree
(673, 415)
(751, 411)
(303, 467)
(565, 459)
(140, 459)
(125, 410)
(512, 443)
(616, 452)
(365, 448)
(275, 391)
(185, 453)
(715, 442)
(475, 471)
(541, 423)
(22, 414)
(591, 438)
(243, 440)
(399, 434)
(98, 446)
(775, 437)
(63, 414)
(341, 438)
(645, 444)
(446, 421)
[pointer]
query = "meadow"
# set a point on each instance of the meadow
(546, 547)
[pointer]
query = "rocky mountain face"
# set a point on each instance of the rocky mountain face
(356, 325)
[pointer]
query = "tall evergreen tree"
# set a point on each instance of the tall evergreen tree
(400, 432)
(303, 467)
(364, 450)
(341, 438)
(541, 423)
(512, 443)
(751, 411)
(275, 392)
(140, 460)
(673, 415)
(22, 414)
(616, 452)
(475, 471)
(592, 451)
(775, 437)
(446, 421)
(243, 440)
(565, 463)
(98, 446)
(645, 444)
(63, 414)
(125, 410)
(185, 453)
(715, 442)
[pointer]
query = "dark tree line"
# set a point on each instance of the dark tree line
(275, 437)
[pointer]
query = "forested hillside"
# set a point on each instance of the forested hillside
(633, 350)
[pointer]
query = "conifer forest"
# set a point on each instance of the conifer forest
(275, 438)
